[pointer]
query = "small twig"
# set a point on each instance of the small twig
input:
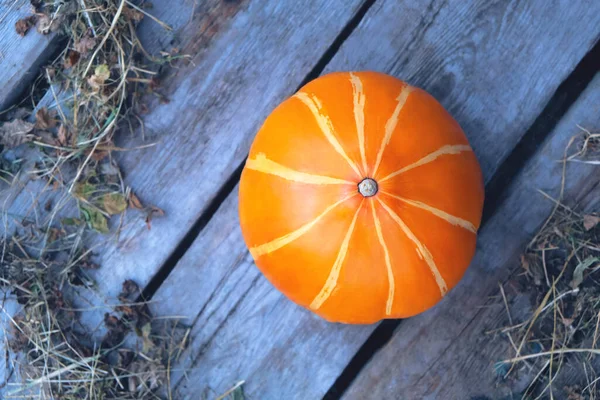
(596, 331)
(227, 393)
(87, 17)
(548, 353)
(152, 17)
(545, 268)
(573, 291)
(505, 303)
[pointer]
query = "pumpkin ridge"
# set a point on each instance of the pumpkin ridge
(450, 149)
(359, 116)
(263, 164)
(388, 262)
(334, 274)
(278, 243)
(392, 122)
(463, 223)
(421, 248)
(324, 122)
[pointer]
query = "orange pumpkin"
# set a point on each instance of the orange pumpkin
(361, 198)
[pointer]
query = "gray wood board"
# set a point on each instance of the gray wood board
(445, 353)
(20, 57)
(242, 328)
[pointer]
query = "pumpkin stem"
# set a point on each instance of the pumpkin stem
(368, 187)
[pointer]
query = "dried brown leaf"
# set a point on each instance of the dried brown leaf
(46, 24)
(134, 202)
(44, 119)
(23, 25)
(153, 211)
(15, 132)
(590, 221)
(129, 288)
(85, 45)
(63, 135)
(133, 14)
(72, 58)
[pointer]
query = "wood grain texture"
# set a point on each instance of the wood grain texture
(242, 328)
(20, 57)
(445, 353)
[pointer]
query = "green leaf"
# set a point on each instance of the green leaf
(102, 72)
(148, 344)
(94, 218)
(113, 203)
(84, 190)
(71, 221)
(578, 273)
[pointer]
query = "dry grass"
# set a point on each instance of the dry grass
(56, 357)
(95, 87)
(558, 341)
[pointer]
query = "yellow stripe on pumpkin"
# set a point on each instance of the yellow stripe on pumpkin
(443, 151)
(262, 164)
(334, 274)
(316, 108)
(390, 125)
(278, 243)
(359, 116)
(388, 262)
(421, 249)
(463, 223)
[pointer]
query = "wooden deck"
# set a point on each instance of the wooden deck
(518, 77)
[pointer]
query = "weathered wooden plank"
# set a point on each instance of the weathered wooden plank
(444, 352)
(242, 329)
(20, 57)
